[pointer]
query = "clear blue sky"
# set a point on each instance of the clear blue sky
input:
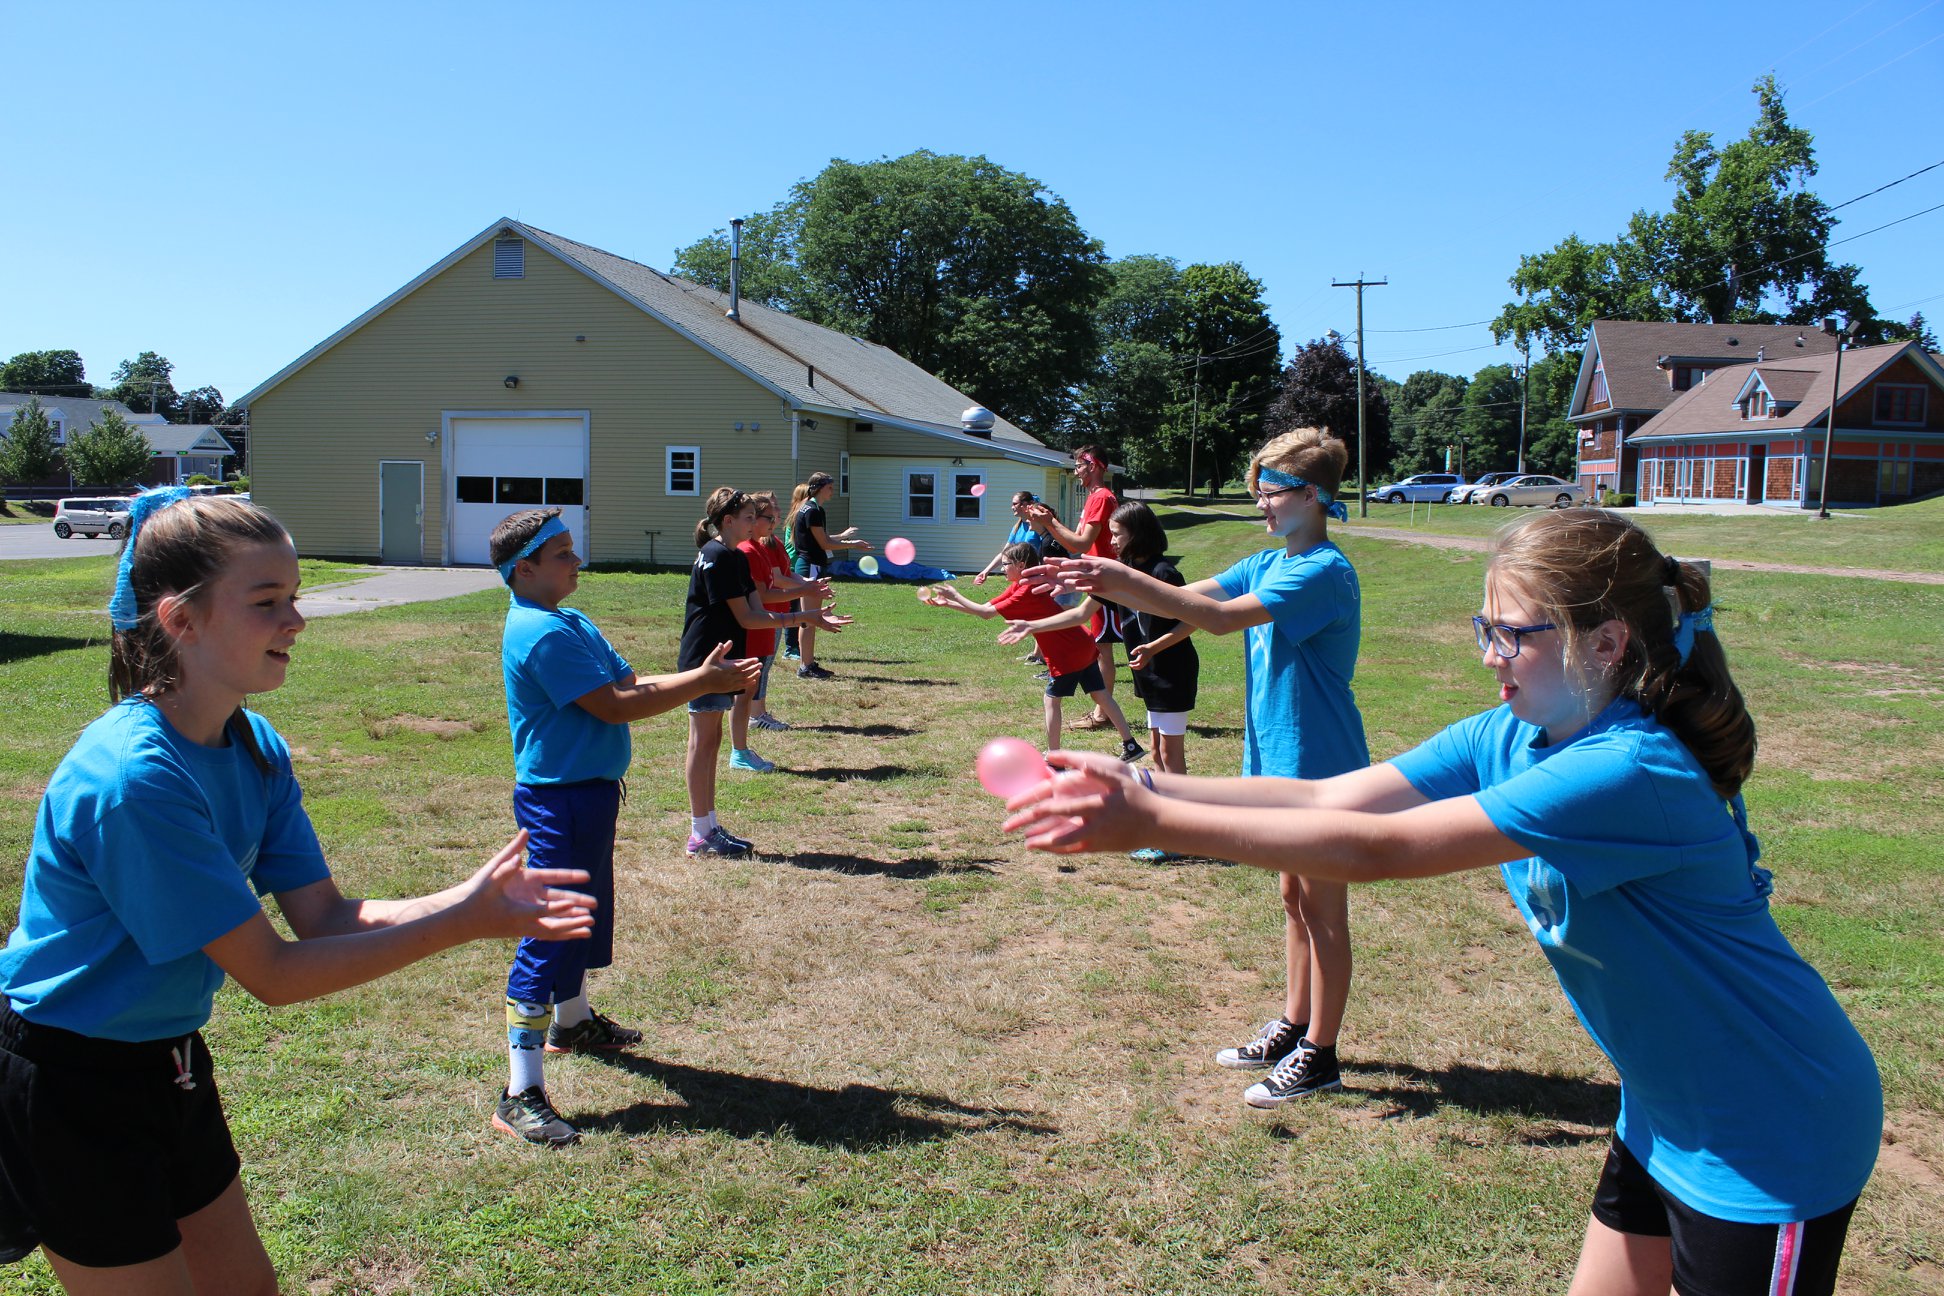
(230, 183)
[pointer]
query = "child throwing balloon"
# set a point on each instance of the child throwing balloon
(159, 831)
(1606, 788)
(1069, 653)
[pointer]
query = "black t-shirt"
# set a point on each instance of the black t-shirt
(804, 539)
(720, 577)
(1170, 681)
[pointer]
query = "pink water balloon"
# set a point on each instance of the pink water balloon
(1009, 766)
(978, 489)
(900, 551)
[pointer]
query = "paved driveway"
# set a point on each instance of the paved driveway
(396, 585)
(37, 540)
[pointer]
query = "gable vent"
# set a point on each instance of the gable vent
(509, 258)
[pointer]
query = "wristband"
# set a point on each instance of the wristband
(1147, 779)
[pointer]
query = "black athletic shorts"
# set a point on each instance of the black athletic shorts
(102, 1146)
(1086, 680)
(1717, 1257)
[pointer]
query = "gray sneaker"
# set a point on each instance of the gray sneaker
(718, 842)
(530, 1116)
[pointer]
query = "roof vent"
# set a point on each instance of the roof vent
(1734, 341)
(1799, 339)
(1761, 354)
(509, 257)
(978, 421)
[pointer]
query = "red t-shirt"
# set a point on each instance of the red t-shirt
(763, 565)
(1067, 652)
(1100, 506)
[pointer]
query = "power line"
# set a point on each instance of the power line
(1490, 346)
(1439, 328)
(1892, 185)
(1879, 67)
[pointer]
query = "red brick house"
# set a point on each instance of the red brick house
(1630, 372)
(1754, 433)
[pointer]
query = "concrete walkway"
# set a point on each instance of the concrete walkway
(396, 586)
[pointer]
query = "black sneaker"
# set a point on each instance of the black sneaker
(599, 1033)
(1309, 1069)
(1275, 1041)
(814, 673)
(1132, 751)
(530, 1116)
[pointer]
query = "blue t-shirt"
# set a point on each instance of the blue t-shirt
(551, 658)
(1744, 1089)
(1302, 719)
(147, 847)
(1023, 533)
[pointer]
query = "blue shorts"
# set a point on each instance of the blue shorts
(569, 825)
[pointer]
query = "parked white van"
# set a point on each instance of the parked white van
(91, 517)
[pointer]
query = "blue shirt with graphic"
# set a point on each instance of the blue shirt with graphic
(552, 657)
(1744, 1089)
(147, 847)
(1302, 718)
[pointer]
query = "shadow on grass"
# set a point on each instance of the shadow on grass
(860, 866)
(1215, 731)
(895, 679)
(22, 647)
(857, 1115)
(848, 774)
(862, 731)
(1488, 1091)
(1182, 521)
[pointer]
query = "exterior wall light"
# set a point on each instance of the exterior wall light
(512, 381)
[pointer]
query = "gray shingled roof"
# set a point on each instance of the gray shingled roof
(77, 412)
(813, 364)
(1629, 352)
(1710, 411)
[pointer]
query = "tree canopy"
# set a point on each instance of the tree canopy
(46, 373)
(27, 449)
(1319, 389)
(972, 271)
(111, 452)
(143, 384)
(1745, 240)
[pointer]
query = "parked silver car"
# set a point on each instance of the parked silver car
(90, 517)
(1534, 488)
(1465, 494)
(1420, 488)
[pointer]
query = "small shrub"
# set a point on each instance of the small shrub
(199, 479)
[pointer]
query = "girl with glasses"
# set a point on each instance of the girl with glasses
(1606, 787)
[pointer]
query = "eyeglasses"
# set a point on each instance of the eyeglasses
(1503, 639)
(1264, 496)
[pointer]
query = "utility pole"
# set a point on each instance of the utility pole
(1194, 427)
(1525, 385)
(1360, 283)
(1835, 390)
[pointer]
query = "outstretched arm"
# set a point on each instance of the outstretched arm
(946, 597)
(642, 697)
(1066, 619)
(1202, 605)
(343, 942)
(1095, 808)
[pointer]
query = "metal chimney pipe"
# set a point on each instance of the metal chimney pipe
(735, 269)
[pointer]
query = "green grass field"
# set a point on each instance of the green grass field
(899, 1054)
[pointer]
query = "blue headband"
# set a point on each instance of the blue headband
(1684, 630)
(122, 612)
(1264, 473)
(552, 527)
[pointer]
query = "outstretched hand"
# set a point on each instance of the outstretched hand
(508, 899)
(1015, 631)
(832, 622)
(731, 674)
(1093, 802)
(1139, 656)
(1083, 575)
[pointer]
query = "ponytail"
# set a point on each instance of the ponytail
(1589, 566)
(723, 501)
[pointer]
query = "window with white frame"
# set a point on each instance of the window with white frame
(684, 476)
(966, 506)
(921, 495)
(843, 472)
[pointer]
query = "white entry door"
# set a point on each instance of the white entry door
(500, 466)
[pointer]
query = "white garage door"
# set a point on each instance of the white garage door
(503, 465)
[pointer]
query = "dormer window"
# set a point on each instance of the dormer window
(1756, 406)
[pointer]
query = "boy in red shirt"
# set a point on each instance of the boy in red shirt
(1070, 654)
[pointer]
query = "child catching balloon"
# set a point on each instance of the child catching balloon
(1069, 653)
(1606, 787)
(160, 829)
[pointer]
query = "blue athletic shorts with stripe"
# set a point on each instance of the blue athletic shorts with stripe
(569, 825)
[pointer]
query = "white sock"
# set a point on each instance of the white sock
(572, 1012)
(703, 826)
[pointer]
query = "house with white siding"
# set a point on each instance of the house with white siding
(525, 369)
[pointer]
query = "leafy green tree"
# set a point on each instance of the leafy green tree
(1129, 402)
(46, 373)
(1916, 329)
(111, 452)
(27, 449)
(1552, 444)
(1424, 421)
(1745, 240)
(143, 385)
(1488, 421)
(199, 405)
(1319, 389)
(969, 270)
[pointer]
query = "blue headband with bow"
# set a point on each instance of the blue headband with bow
(552, 527)
(1331, 507)
(122, 612)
